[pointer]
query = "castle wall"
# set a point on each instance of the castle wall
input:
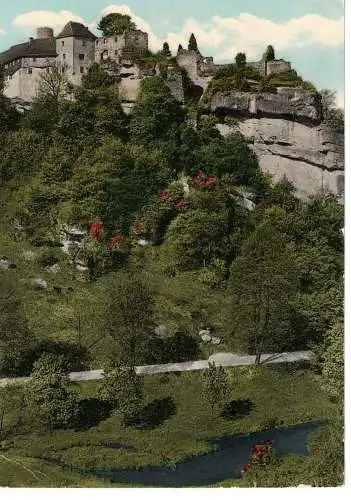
(112, 46)
(278, 67)
(70, 50)
(24, 85)
(190, 61)
(175, 84)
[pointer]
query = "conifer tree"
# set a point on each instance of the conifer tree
(193, 43)
(166, 50)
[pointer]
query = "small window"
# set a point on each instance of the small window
(34, 59)
(64, 56)
(84, 43)
(63, 70)
(62, 43)
(81, 57)
(104, 40)
(30, 71)
(115, 39)
(116, 52)
(81, 69)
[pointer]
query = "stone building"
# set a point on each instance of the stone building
(74, 50)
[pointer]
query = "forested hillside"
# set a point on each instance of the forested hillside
(177, 231)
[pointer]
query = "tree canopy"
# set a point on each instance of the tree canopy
(115, 24)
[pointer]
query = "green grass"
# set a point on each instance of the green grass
(280, 397)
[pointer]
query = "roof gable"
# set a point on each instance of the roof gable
(76, 30)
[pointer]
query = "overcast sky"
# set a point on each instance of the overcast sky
(309, 33)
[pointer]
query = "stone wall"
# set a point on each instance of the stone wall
(75, 56)
(112, 46)
(280, 66)
(175, 83)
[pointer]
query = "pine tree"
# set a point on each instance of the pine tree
(193, 43)
(180, 48)
(269, 54)
(166, 50)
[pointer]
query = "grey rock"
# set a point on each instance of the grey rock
(216, 340)
(39, 283)
(4, 263)
(298, 105)
(311, 157)
(56, 268)
(160, 331)
(72, 238)
(206, 338)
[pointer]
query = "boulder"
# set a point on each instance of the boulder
(4, 263)
(206, 338)
(40, 284)
(216, 340)
(55, 268)
(72, 238)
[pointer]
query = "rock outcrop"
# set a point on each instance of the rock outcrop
(287, 135)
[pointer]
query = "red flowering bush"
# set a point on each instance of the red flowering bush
(200, 180)
(115, 241)
(163, 194)
(259, 452)
(96, 230)
(138, 227)
(181, 203)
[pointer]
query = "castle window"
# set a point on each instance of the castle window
(116, 52)
(81, 69)
(84, 43)
(81, 57)
(115, 39)
(30, 71)
(62, 44)
(34, 59)
(104, 40)
(64, 56)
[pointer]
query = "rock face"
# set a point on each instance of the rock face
(291, 104)
(307, 153)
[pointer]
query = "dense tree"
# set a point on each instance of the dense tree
(215, 386)
(240, 61)
(166, 50)
(123, 390)
(269, 54)
(115, 24)
(262, 290)
(54, 83)
(157, 115)
(332, 372)
(129, 317)
(97, 77)
(49, 396)
(193, 43)
(15, 336)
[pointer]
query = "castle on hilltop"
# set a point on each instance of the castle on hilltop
(75, 49)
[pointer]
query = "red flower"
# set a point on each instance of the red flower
(163, 194)
(138, 227)
(115, 241)
(210, 180)
(180, 203)
(96, 230)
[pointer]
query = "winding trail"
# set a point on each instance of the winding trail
(226, 359)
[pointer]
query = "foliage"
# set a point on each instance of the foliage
(123, 389)
(54, 83)
(269, 54)
(166, 50)
(115, 24)
(15, 336)
(192, 45)
(215, 386)
(262, 289)
(332, 369)
(130, 317)
(49, 397)
(97, 77)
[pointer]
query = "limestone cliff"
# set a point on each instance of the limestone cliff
(286, 133)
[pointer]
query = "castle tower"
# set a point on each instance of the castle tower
(45, 33)
(75, 47)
